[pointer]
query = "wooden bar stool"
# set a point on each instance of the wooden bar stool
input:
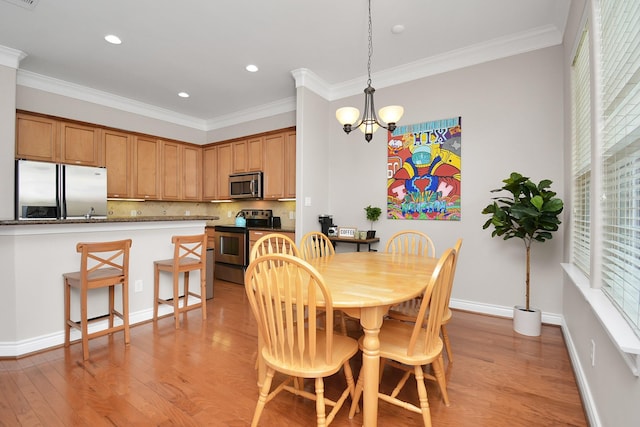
(189, 254)
(102, 264)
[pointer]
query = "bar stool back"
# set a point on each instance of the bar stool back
(189, 254)
(102, 264)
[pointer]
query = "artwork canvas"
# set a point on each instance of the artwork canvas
(423, 171)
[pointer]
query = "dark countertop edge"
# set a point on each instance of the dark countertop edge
(109, 220)
(275, 230)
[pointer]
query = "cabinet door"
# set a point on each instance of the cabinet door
(209, 173)
(117, 160)
(146, 179)
(191, 173)
(79, 144)
(290, 165)
(274, 149)
(240, 159)
(171, 171)
(224, 169)
(254, 154)
(37, 138)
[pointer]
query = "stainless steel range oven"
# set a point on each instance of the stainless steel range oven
(232, 245)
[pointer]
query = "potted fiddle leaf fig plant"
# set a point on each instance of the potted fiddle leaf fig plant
(530, 212)
(373, 214)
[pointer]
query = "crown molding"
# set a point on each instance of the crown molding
(538, 38)
(11, 57)
(83, 93)
(259, 112)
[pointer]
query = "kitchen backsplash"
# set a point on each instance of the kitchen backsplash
(226, 211)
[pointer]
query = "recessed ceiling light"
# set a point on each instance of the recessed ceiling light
(252, 68)
(183, 95)
(113, 39)
(397, 29)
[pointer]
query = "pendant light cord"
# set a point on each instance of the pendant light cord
(370, 47)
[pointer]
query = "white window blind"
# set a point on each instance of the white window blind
(620, 55)
(581, 154)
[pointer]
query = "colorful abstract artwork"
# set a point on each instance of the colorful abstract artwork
(423, 171)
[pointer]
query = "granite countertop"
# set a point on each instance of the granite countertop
(110, 220)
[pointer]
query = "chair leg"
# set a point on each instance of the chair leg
(156, 291)
(125, 311)
(321, 416)
(203, 294)
(438, 370)
(356, 396)
(447, 343)
(111, 306)
(67, 312)
(186, 289)
(422, 393)
(262, 399)
(176, 300)
(83, 323)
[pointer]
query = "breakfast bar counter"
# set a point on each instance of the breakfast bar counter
(35, 254)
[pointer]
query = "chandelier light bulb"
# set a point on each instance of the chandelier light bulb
(391, 113)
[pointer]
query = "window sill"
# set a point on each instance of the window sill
(612, 321)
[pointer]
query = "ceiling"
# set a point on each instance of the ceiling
(202, 46)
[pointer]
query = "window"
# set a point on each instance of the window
(615, 67)
(581, 154)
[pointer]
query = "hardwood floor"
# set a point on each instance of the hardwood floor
(203, 374)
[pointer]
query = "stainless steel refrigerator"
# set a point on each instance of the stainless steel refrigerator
(57, 191)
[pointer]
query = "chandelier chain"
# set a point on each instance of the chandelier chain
(370, 47)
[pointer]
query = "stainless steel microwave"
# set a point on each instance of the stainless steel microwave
(245, 185)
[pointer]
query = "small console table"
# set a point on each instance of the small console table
(357, 242)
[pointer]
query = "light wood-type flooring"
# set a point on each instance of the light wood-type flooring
(203, 375)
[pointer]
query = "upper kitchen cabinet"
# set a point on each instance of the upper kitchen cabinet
(118, 159)
(170, 175)
(37, 138)
(79, 144)
(279, 165)
(216, 168)
(191, 173)
(146, 168)
(247, 154)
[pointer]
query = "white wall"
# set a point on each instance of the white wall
(512, 120)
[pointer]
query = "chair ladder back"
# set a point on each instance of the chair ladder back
(433, 306)
(105, 254)
(192, 246)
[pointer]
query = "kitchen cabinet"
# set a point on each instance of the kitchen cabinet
(279, 165)
(171, 170)
(191, 173)
(37, 138)
(118, 160)
(217, 166)
(79, 144)
(223, 169)
(247, 155)
(146, 168)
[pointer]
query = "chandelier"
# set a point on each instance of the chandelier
(369, 123)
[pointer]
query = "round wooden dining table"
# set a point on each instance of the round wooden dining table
(364, 285)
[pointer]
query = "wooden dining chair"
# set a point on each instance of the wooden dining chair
(189, 254)
(283, 290)
(408, 310)
(315, 244)
(411, 242)
(413, 346)
(273, 243)
(102, 264)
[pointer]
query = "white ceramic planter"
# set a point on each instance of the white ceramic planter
(527, 322)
